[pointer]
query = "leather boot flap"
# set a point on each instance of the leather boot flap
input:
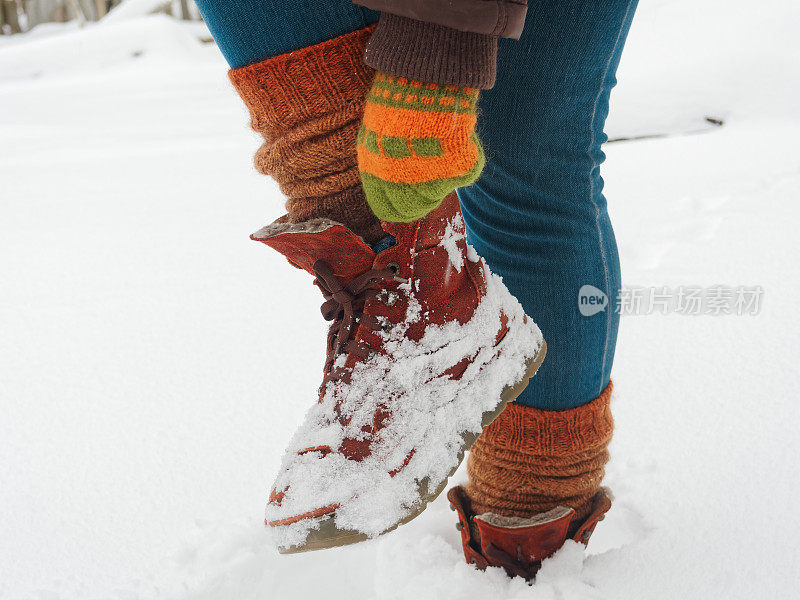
(527, 540)
(602, 503)
(458, 502)
(304, 243)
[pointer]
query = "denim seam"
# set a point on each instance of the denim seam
(591, 190)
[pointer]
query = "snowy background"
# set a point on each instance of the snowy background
(154, 361)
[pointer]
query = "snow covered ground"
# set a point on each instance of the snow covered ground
(154, 361)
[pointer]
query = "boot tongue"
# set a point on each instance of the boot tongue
(303, 244)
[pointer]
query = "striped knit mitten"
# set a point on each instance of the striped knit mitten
(416, 144)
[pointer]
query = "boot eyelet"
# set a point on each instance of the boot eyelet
(393, 267)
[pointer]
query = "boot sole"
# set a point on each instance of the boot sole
(327, 535)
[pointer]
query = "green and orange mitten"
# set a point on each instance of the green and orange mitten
(416, 144)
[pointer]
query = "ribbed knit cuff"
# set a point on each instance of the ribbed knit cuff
(308, 106)
(432, 53)
(292, 88)
(528, 461)
(553, 433)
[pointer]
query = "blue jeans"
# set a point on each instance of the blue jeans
(249, 31)
(537, 214)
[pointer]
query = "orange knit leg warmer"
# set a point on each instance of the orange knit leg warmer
(308, 106)
(529, 461)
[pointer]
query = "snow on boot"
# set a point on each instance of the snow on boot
(425, 348)
(520, 544)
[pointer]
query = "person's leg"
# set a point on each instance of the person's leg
(298, 67)
(539, 218)
(387, 402)
(249, 31)
(537, 214)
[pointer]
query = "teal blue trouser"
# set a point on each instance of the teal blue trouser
(537, 214)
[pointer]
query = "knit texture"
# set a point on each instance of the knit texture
(529, 461)
(307, 105)
(429, 52)
(417, 143)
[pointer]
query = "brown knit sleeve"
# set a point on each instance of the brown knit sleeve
(449, 42)
(432, 53)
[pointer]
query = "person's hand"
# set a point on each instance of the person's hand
(416, 144)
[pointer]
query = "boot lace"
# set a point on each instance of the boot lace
(344, 307)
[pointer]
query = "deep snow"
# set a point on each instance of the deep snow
(154, 362)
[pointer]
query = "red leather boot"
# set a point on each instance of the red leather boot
(426, 346)
(520, 544)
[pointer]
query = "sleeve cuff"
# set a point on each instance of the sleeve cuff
(432, 53)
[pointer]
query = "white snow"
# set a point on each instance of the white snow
(116, 46)
(154, 362)
(453, 233)
(134, 8)
(422, 438)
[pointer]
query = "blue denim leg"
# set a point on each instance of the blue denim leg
(538, 214)
(249, 31)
